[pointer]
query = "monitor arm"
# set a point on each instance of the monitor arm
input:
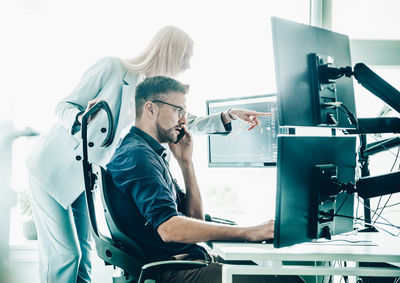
(376, 85)
(366, 77)
(323, 85)
(327, 73)
(388, 183)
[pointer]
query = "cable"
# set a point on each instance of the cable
(398, 168)
(381, 223)
(390, 224)
(337, 211)
(394, 235)
(351, 116)
(356, 220)
(397, 156)
(386, 149)
(354, 121)
(384, 206)
(358, 203)
(379, 201)
(391, 205)
(387, 224)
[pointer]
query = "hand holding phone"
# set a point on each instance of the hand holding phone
(180, 135)
(182, 148)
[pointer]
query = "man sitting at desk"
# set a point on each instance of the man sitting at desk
(165, 221)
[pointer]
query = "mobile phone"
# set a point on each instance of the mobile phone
(180, 135)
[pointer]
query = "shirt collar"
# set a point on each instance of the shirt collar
(155, 145)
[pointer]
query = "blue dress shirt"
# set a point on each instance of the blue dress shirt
(146, 195)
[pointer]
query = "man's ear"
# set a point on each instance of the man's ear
(150, 109)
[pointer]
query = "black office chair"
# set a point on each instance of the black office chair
(119, 250)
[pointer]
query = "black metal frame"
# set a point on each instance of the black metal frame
(367, 186)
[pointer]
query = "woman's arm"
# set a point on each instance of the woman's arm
(211, 124)
(218, 124)
(88, 88)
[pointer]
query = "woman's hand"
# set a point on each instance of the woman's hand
(91, 103)
(248, 116)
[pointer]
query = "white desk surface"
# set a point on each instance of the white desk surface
(363, 247)
(368, 247)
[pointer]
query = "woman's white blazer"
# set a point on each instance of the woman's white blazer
(56, 163)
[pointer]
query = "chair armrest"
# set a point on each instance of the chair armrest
(158, 267)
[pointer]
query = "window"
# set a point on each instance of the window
(367, 19)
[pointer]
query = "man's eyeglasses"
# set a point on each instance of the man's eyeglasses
(181, 111)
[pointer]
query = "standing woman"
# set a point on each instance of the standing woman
(56, 180)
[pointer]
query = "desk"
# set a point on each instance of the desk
(363, 247)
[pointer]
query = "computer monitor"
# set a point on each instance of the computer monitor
(243, 148)
(305, 96)
(307, 207)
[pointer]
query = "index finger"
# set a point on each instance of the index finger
(261, 113)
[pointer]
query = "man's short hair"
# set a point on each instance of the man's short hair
(156, 88)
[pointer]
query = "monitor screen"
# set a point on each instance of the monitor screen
(243, 148)
(305, 208)
(303, 95)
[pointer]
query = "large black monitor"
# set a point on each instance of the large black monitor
(243, 148)
(305, 98)
(308, 204)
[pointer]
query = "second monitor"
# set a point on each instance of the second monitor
(312, 183)
(243, 148)
(305, 97)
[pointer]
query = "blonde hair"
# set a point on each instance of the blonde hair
(164, 54)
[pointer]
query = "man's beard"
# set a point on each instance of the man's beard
(166, 135)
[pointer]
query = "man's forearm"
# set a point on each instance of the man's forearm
(193, 200)
(187, 230)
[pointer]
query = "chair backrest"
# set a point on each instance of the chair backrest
(119, 250)
(121, 240)
(112, 250)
